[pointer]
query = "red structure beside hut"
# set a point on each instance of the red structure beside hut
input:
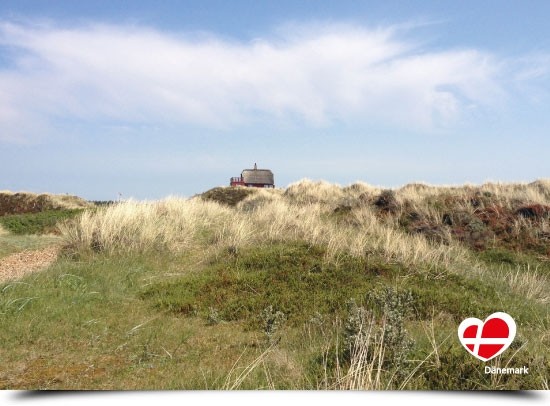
(254, 178)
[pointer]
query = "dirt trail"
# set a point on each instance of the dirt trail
(16, 265)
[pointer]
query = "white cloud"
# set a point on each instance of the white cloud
(103, 73)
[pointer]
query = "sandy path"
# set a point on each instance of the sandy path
(17, 265)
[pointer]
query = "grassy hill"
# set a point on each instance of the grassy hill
(29, 213)
(26, 202)
(28, 221)
(315, 286)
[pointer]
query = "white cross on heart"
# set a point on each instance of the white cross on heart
(488, 339)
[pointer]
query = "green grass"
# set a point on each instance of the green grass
(292, 278)
(10, 244)
(36, 223)
(295, 280)
(503, 257)
(83, 325)
(165, 322)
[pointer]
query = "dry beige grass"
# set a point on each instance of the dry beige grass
(308, 191)
(366, 362)
(528, 282)
(180, 225)
(420, 198)
(506, 194)
(302, 212)
(171, 224)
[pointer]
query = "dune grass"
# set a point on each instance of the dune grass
(313, 287)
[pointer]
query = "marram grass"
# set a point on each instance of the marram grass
(313, 287)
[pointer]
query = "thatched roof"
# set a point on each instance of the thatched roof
(258, 176)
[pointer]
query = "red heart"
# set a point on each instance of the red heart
(486, 340)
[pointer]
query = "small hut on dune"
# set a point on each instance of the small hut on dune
(254, 178)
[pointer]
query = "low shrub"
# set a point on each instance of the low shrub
(37, 223)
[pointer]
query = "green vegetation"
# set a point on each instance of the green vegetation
(227, 196)
(10, 244)
(314, 287)
(292, 278)
(141, 322)
(43, 222)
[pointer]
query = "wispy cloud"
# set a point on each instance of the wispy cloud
(316, 77)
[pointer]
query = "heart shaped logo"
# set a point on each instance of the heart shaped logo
(485, 340)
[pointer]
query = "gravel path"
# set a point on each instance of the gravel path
(17, 265)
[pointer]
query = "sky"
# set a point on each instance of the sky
(146, 99)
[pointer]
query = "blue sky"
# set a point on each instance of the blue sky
(156, 98)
